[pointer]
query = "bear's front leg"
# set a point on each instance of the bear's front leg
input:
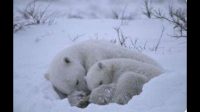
(128, 85)
(78, 99)
(103, 94)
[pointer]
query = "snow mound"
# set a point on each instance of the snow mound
(165, 93)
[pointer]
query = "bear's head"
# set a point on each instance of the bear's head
(67, 75)
(97, 75)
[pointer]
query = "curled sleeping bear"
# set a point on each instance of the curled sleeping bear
(127, 75)
(105, 94)
(68, 68)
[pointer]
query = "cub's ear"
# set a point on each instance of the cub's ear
(67, 60)
(100, 64)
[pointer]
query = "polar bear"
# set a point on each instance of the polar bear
(129, 76)
(119, 93)
(68, 68)
(109, 71)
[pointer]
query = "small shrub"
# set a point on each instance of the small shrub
(72, 16)
(147, 8)
(33, 15)
(75, 38)
(115, 14)
(121, 37)
(177, 17)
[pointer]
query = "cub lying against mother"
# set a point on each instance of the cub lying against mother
(125, 77)
(69, 67)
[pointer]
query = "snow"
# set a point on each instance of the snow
(35, 46)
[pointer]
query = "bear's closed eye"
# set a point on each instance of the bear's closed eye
(77, 82)
(100, 83)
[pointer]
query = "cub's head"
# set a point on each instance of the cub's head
(97, 75)
(67, 75)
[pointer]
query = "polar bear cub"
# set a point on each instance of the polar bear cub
(119, 93)
(128, 75)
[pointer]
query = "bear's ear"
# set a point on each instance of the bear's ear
(67, 60)
(100, 65)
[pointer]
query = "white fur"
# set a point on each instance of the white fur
(112, 69)
(103, 94)
(78, 99)
(128, 85)
(129, 76)
(119, 93)
(82, 56)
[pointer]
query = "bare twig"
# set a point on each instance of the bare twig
(137, 47)
(177, 18)
(134, 44)
(115, 14)
(113, 41)
(75, 38)
(147, 8)
(158, 43)
(121, 37)
(125, 21)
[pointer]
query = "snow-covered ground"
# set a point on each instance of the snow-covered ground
(35, 46)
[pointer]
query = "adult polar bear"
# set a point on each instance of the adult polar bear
(68, 68)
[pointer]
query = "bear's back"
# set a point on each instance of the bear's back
(120, 66)
(92, 51)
